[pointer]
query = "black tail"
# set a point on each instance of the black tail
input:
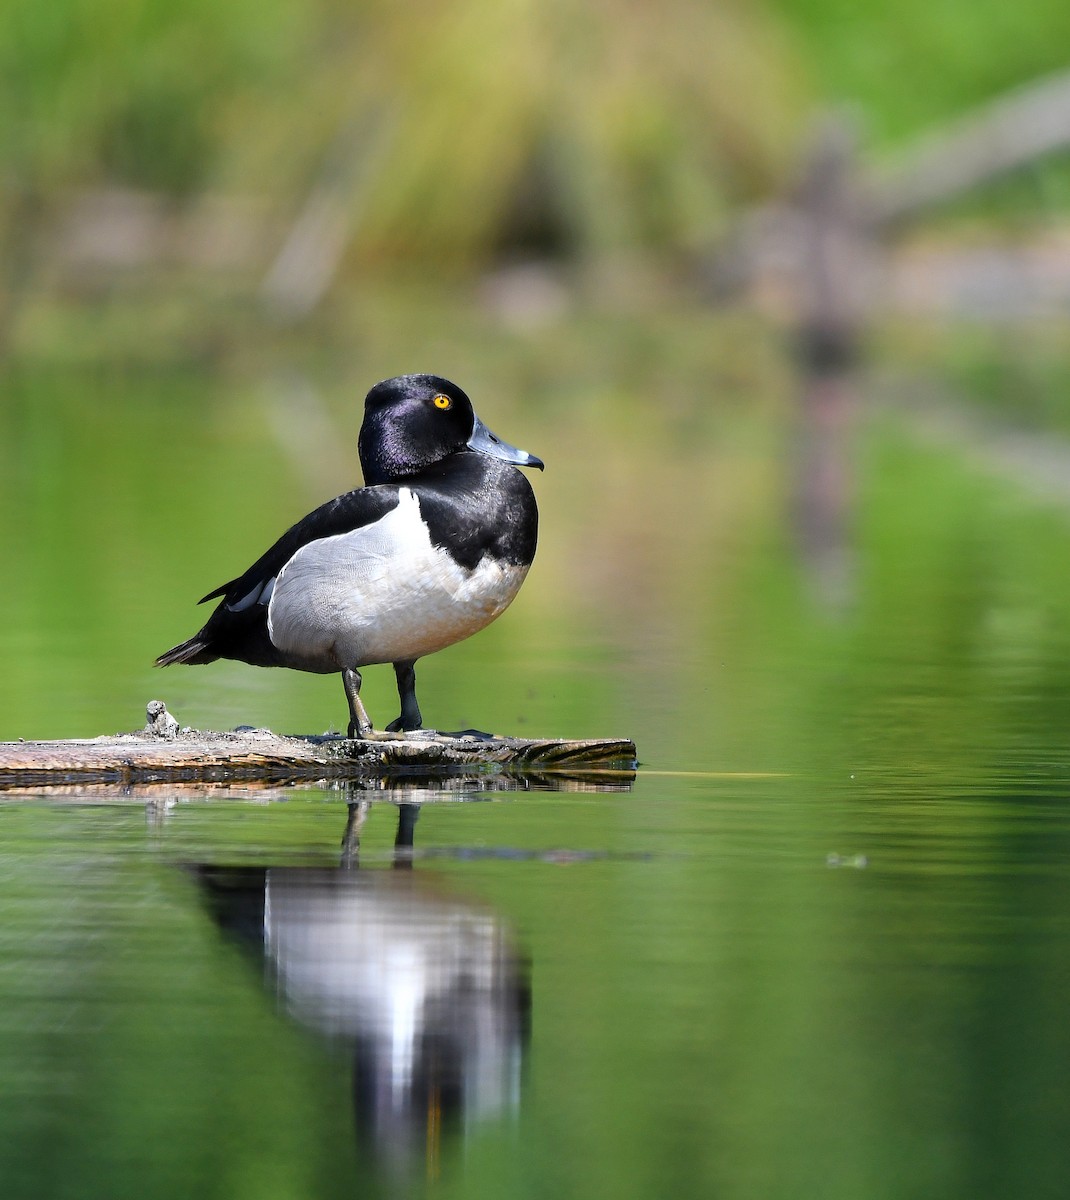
(194, 650)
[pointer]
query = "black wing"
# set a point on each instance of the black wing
(238, 626)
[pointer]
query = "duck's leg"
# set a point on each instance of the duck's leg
(403, 841)
(356, 815)
(359, 725)
(410, 711)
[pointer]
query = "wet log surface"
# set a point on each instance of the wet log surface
(163, 753)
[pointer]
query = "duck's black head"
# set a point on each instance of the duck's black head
(413, 421)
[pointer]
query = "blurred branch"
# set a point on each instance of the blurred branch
(1011, 133)
(314, 248)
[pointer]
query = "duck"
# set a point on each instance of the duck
(431, 549)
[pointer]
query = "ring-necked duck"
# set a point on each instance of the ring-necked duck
(430, 550)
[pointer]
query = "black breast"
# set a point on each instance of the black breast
(474, 506)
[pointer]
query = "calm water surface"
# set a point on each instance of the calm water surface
(698, 986)
(819, 946)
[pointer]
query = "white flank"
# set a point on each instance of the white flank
(382, 593)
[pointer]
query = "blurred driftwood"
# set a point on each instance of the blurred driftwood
(818, 259)
(814, 257)
(832, 302)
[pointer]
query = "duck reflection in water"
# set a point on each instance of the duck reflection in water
(425, 991)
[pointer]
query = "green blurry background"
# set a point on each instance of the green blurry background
(221, 222)
(820, 946)
(459, 129)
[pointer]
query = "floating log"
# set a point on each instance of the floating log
(164, 753)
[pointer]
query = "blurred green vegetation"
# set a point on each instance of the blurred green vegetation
(454, 129)
(1015, 376)
(918, 62)
(466, 121)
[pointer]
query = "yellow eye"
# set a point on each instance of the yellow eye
(443, 402)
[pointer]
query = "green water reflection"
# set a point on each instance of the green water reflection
(820, 947)
(717, 1005)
